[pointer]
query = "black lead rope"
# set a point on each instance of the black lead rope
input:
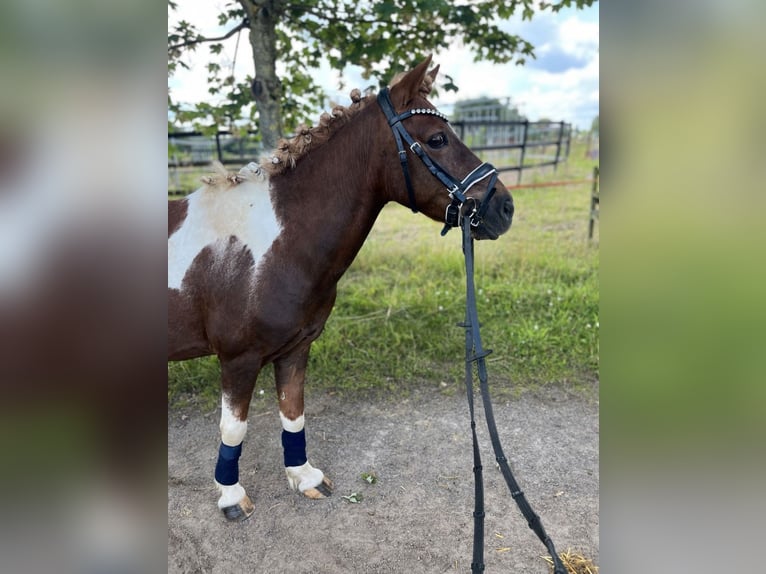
(475, 353)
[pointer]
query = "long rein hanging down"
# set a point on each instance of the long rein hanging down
(474, 351)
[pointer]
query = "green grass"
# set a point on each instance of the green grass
(393, 326)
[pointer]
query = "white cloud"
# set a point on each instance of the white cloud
(571, 96)
(562, 84)
(578, 37)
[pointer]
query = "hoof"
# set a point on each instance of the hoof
(323, 490)
(239, 512)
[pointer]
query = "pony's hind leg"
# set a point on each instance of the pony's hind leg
(237, 383)
(301, 476)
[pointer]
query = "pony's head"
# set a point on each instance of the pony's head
(434, 172)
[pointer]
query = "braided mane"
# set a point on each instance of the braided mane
(288, 152)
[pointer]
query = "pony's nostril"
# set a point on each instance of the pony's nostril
(508, 209)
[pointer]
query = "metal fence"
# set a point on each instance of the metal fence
(191, 153)
(517, 145)
(510, 146)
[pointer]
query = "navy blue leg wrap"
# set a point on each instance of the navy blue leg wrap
(294, 445)
(227, 467)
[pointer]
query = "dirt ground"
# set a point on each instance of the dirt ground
(417, 517)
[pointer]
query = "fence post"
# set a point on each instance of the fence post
(558, 146)
(523, 151)
(594, 202)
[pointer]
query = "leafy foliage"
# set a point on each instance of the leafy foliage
(369, 477)
(382, 36)
(353, 498)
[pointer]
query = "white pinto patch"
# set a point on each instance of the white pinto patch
(304, 477)
(232, 429)
(230, 495)
(216, 212)
(292, 426)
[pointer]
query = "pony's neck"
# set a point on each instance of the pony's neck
(329, 201)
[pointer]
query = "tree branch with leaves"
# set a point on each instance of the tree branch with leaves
(383, 37)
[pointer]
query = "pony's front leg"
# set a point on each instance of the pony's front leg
(290, 372)
(237, 382)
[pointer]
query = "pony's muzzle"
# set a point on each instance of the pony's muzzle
(507, 210)
(495, 217)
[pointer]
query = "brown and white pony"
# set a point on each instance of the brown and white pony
(254, 257)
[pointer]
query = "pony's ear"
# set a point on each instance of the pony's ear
(405, 88)
(432, 73)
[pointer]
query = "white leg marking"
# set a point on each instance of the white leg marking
(232, 429)
(304, 477)
(292, 426)
(230, 495)
(213, 215)
(232, 433)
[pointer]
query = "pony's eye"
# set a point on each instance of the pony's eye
(438, 140)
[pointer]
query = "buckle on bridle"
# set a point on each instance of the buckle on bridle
(451, 216)
(473, 217)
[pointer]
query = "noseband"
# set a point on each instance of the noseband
(457, 189)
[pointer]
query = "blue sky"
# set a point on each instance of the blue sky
(561, 84)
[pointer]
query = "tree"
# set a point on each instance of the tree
(381, 36)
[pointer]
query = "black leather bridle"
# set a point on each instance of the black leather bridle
(457, 189)
(475, 353)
